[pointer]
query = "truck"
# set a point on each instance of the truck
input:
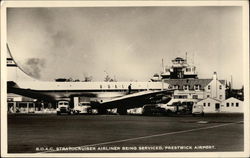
(83, 108)
(174, 107)
(178, 106)
(63, 107)
(198, 110)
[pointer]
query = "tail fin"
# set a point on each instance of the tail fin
(10, 61)
(14, 72)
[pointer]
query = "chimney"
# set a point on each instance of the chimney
(215, 76)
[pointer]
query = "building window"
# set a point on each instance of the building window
(208, 104)
(227, 104)
(208, 87)
(101, 86)
(232, 104)
(195, 96)
(220, 96)
(208, 96)
(204, 104)
(196, 87)
(180, 96)
(176, 87)
(237, 104)
(220, 86)
(222, 105)
(108, 86)
(185, 87)
(115, 86)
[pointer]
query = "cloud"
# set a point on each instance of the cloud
(33, 67)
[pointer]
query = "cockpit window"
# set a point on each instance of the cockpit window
(63, 103)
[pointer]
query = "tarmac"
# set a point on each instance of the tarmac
(49, 133)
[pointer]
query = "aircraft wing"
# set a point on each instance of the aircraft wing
(136, 99)
(12, 87)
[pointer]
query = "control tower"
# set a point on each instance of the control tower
(180, 69)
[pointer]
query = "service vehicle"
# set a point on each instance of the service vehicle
(63, 107)
(197, 110)
(83, 108)
(152, 109)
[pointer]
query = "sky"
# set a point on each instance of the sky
(127, 43)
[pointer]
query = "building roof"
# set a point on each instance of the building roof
(191, 82)
(232, 99)
(222, 82)
(209, 99)
(179, 58)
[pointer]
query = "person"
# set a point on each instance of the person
(129, 89)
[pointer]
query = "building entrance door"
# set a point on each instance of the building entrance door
(217, 106)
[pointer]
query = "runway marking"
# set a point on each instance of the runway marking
(151, 136)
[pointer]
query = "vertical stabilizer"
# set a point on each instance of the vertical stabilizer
(14, 72)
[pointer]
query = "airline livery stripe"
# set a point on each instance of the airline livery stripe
(11, 65)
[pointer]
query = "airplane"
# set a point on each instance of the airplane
(102, 95)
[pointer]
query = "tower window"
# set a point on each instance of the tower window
(185, 87)
(220, 86)
(227, 104)
(208, 87)
(237, 104)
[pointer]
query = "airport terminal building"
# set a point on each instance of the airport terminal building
(209, 93)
